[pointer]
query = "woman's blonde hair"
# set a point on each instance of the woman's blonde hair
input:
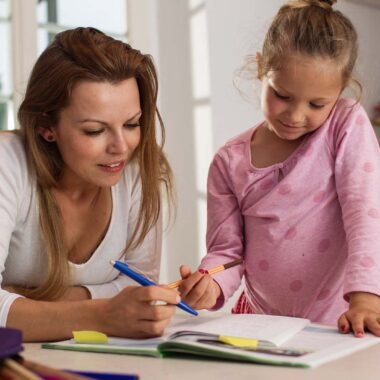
(86, 54)
(307, 27)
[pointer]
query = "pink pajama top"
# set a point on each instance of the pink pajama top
(308, 228)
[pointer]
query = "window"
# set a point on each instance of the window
(54, 16)
(202, 118)
(5, 66)
(26, 28)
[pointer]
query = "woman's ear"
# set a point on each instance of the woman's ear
(46, 133)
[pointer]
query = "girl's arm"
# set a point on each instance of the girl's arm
(357, 175)
(224, 241)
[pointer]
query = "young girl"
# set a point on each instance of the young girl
(297, 197)
(80, 186)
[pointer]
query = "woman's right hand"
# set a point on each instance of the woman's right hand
(197, 289)
(138, 312)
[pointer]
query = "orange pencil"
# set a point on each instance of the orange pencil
(210, 271)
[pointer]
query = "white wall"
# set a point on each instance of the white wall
(176, 107)
(233, 32)
(161, 28)
(366, 20)
(24, 47)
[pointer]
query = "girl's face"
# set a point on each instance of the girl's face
(297, 99)
(98, 132)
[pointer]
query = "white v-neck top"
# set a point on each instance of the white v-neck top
(23, 259)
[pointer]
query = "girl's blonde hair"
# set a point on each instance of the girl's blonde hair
(86, 54)
(307, 27)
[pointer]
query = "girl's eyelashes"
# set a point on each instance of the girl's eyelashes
(317, 106)
(282, 97)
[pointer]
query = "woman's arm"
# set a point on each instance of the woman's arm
(76, 293)
(129, 314)
(73, 293)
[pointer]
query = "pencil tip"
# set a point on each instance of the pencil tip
(233, 263)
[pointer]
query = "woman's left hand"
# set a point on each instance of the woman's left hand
(363, 314)
(75, 293)
(72, 293)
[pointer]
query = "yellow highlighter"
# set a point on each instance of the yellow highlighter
(92, 337)
(258, 345)
(245, 342)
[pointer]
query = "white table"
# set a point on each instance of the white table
(362, 365)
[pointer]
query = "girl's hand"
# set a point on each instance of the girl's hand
(133, 313)
(199, 290)
(363, 313)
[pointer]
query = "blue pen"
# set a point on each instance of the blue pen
(125, 269)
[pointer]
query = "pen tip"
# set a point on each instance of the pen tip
(112, 262)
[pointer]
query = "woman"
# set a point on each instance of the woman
(81, 186)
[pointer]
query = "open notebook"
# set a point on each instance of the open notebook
(253, 338)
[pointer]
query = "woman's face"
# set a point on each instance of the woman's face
(98, 132)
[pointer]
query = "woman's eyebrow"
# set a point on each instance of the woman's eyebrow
(138, 114)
